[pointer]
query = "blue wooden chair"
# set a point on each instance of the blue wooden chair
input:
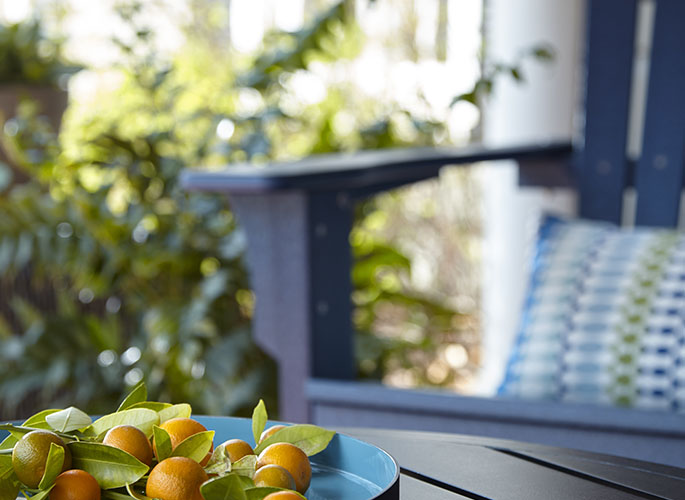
(298, 216)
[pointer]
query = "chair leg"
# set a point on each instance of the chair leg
(299, 260)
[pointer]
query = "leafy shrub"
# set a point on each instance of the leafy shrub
(141, 279)
(145, 280)
(27, 55)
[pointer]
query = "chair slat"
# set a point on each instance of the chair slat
(659, 175)
(603, 163)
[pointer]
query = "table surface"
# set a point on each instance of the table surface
(451, 467)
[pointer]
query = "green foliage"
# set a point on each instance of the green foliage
(137, 266)
(28, 56)
(494, 71)
(378, 277)
(144, 280)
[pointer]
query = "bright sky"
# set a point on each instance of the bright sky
(377, 72)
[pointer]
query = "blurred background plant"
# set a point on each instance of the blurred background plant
(29, 56)
(114, 274)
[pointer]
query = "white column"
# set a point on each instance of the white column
(542, 108)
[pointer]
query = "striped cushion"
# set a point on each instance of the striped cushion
(604, 321)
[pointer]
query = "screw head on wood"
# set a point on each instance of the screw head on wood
(343, 199)
(321, 230)
(660, 162)
(322, 308)
(603, 167)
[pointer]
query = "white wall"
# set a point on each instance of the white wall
(541, 109)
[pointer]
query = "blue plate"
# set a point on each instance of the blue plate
(348, 469)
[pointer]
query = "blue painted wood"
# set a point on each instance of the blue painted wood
(278, 262)
(646, 435)
(330, 222)
(659, 176)
(609, 63)
(298, 257)
(370, 171)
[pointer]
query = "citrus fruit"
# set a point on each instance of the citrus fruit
(30, 455)
(291, 458)
(75, 484)
(282, 495)
(274, 476)
(237, 449)
(176, 478)
(132, 440)
(269, 432)
(182, 428)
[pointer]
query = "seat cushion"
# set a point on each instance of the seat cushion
(604, 319)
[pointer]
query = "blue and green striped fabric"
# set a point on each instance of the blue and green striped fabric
(604, 321)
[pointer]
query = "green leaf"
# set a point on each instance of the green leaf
(8, 443)
(544, 53)
(142, 418)
(246, 466)
(151, 405)
(5, 465)
(220, 462)
(9, 484)
(36, 421)
(113, 495)
(182, 410)
(309, 438)
(68, 420)
(16, 430)
(53, 466)
(260, 492)
(259, 418)
(137, 395)
(516, 74)
(229, 487)
(195, 447)
(42, 494)
(468, 97)
(135, 494)
(112, 467)
(162, 443)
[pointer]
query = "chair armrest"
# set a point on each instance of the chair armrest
(363, 171)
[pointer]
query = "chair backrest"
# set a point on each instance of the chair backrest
(298, 218)
(604, 167)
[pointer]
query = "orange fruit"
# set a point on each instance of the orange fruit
(237, 449)
(282, 495)
(131, 440)
(270, 431)
(182, 428)
(176, 478)
(75, 484)
(274, 476)
(30, 456)
(292, 459)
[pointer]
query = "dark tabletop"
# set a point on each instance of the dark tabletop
(451, 467)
